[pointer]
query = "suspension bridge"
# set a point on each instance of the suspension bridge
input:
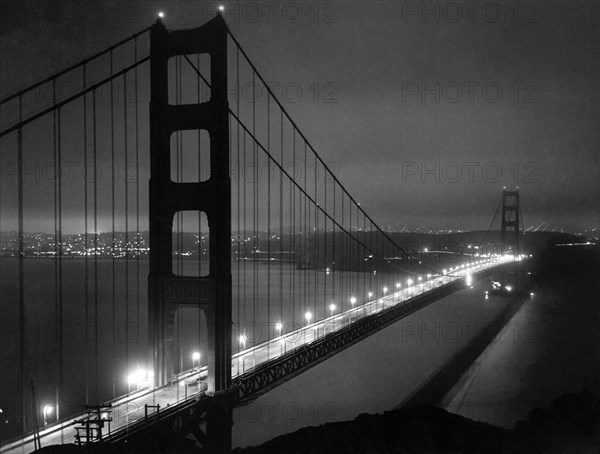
(242, 263)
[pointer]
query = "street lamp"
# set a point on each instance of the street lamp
(47, 412)
(136, 378)
(195, 357)
(308, 316)
(279, 328)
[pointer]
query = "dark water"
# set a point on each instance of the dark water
(551, 346)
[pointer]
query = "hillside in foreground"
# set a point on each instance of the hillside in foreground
(570, 425)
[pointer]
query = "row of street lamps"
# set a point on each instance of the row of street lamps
(140, 377)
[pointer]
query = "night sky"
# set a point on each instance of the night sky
(423, 112)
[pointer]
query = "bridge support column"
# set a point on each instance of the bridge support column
(166, 291)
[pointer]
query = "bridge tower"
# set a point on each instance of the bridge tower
(510, 230)
(168, 292)
(509, 237)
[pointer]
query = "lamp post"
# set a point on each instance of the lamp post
(242, 346)
(279, 328)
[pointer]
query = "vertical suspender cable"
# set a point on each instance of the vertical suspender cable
(60, 267)
(126, 178)
(239, 182)
(293, 218)
(86, 256)
(199, 138)
(56, 242)
(310, 233)
(325, 238)
(95, 166)
(57, 248)
(281, 224)
(112, 197)
(268, 221)
(245, 239)
(255, 217)
(178, 214)
(371, 257)
(306, 246)
(365, 253)
(22, 332)
(138, 240)
(289, 247)
(334, 241)
(317, 245)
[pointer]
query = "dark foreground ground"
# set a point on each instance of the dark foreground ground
(570, 425)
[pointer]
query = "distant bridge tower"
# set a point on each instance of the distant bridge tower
(510, 233)
(168, 292)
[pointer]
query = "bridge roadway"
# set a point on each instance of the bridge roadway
(131, 408)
